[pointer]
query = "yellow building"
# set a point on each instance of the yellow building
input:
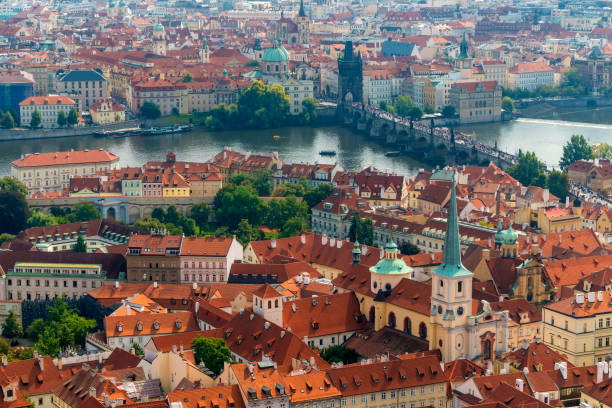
(174, 185)
(106, 111)
(580, 327)
(525, 324)
(550, 219)
(205, 187)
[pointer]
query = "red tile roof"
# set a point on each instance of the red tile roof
(65, 158)
(47, 100)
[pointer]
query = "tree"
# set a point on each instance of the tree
(262, 184)
(406, 248)
(8, 183)
(40, 219)
(429, 109)
(80, 245)
(14, 212)
(187, 77)
(4, 237)
(85, 211)
(403, 104)
(602, 150)
(73, 117)
(318, 194)
(149, 110)
(246, 233)
(577, 148)
(8, 122)
(309, 110)
(159, 214)
(145, 225)
(415, 113)
(293, 227)
(35, 120)
(200, 214)
(261, 106)
(213, 352)
(11, 328)
(527, 168)
(339, 354)
(62, 120)
(448, 111)
(138, 349)
(558, 184)
(507, 104)
(284, 209)
(361, 230)
(233, 203)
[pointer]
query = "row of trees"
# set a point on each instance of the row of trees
(572, 84)
(72, 118)
(404, 106)
(530, 171)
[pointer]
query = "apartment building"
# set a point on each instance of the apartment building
(51, 172)
(476, 101)
(580, 327)
(153, 257)
(84, 86)
(48, 107)
(205, 260)
(530, 75)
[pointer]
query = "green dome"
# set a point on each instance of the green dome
(499, 235)
(510, 236)
(391, 264)
(158, 27)
(275, 54)
(356, 248)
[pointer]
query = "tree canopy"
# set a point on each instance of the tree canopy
(527, 169)
(339, 354)
(234, 203)
(11, 328)
(213, 352)
(80, 245)
(9, 183)
(14, 212)
(577, 148)
(149, 110)
(35, 119)
(361, 230)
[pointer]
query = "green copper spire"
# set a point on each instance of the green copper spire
(463, 48)
(451, 259)
(499, 235)
(356, 254)
(301, 12)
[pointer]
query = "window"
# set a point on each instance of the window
(460, 287)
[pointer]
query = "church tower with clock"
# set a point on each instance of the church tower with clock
(459, 331)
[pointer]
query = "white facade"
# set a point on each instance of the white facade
(530, 79)
(202, 269)
(48, 107)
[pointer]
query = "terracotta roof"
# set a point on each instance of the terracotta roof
(458, 371)
(511, 397)
(65, 158)
(519, 310)
(373, 344)
(323, 315)
(537, 356)
(266, 291)
(211, 246)
(221, 396)
(47, 100)
(154, 244)
(74, 390)
(144, 324)
(570, 271)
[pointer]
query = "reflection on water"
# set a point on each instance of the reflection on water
(294, 145)
(546, 136)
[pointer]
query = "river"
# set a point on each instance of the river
(544, 133)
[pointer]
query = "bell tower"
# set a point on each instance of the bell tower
(451, 293)
(205, 52)
(350, 76)
(303, 25)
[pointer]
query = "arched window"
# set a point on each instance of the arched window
(423, 330)
(391, 320)
(407, 325)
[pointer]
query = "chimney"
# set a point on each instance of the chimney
(273, 243)
(155, 284)
(332, 242)
(506, 367)
(197, 306)
(339, 243)
(609, 369)
(534, 249)
(116, 284)
(600, 296)
(174, 348)
(181, 348)
(60, 363)
(194, 286)
(303, 239)
(324, 239)
(579, 298)
(600, 371)
(41, 363)
(5, 361)
(35, 354)
(519, 384)
(127, 310)
(486, 254)
(132, 351)
(92, 392)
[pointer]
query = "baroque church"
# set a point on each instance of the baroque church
(292, 32)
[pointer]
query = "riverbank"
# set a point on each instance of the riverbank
(10, 135)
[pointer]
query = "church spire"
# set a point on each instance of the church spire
(301, 13)
(451, 258)
(463, 48)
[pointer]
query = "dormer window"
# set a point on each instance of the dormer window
(139, 326)
(119, 328)
(178, 324)
(156, 325)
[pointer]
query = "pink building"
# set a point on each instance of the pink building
(208, 259)
(152, 182)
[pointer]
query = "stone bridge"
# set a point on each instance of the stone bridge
(439, 145)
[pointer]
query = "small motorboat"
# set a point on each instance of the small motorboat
(327, 153)
(394, 153)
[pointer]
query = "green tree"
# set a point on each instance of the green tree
(246, 232)
(577, 148)
(80, 245)
(62, 120)
(40, 219)
(602, 150)
(527, 168)
(11, 328)
(73, 117)
(361, 229)
(200, 214)
(507, 104)
(403, 104)
(261, 106)
(295, 189)
(138, 349)
(84, 211)
(14, 212)
(284, 209)
(318, 194)
(339, 354)
(35, 120)
(262, 184)
(233, 203)
(159, 214)
(429, 109)
(415, 113)
(448, 111)
(293, 227)
(213, 352)
(8, 122)
(8, 183)
(309, 110)
(558, 184)
(48, 343)
(145, 225)
(187, 77)
(4, 237)
(149, 110)
(406, 248)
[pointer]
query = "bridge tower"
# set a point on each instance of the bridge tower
(350, 76)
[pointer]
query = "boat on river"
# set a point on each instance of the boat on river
(167, 130)
(393, 153)
(164, 130)
(327, 153)
(118, 132)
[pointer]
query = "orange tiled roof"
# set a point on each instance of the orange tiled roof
(65, 158)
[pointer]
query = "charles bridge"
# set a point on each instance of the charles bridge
(423, 138)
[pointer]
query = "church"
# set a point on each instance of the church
(293, 32)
